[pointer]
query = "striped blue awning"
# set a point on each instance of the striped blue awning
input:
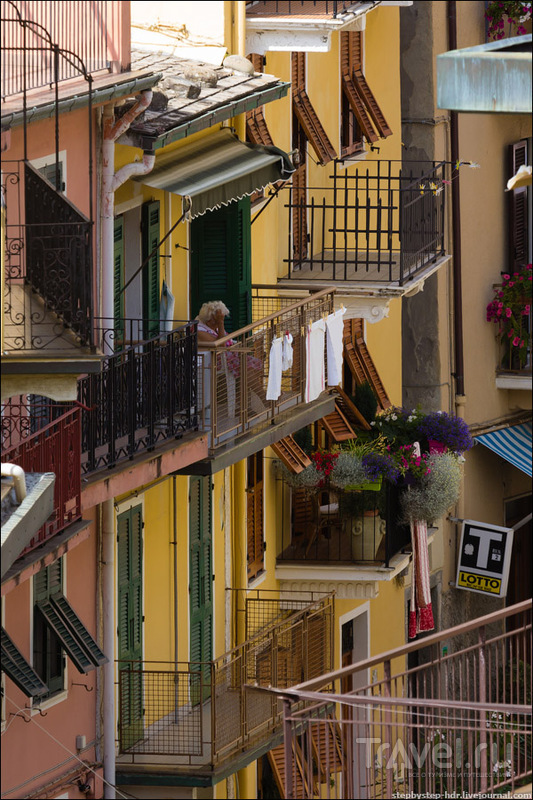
(512, 444)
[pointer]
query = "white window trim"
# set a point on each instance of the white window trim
(45, 161)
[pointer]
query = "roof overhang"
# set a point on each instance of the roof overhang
(292, 33)
(216, 170)
(491, 78)
(25, 520)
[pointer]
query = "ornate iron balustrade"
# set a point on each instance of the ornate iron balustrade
(379, 224)
(144, 395)
(48, 303)
(53, 448)
(235, 368)
(29, 43)
(198, 715)
(347, 527)
(458, 724)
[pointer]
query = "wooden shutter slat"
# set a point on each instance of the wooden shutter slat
(298, 71)
(151, 294)
(257, 60)
(292, 455)
(362, 366)
(313, 129)
(358, 107)
(338, 426)
(371, 103)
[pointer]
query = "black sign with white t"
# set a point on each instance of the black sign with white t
(484, 558)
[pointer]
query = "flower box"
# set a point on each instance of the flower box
(371, 486)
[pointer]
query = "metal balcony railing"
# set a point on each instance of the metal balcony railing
(380, 224)
(315, 8)
(235, 369)
(197, 716)
(48, 265)
(43, 42)
(449, 715)
(54, 447)
(145, 394)
(357, 527)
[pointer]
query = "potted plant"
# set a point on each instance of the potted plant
(443, 432)
(510, 310)
(516, 13)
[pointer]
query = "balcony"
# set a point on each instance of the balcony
(349, 539)
(88, 37)
(458, 723)
(377, 233)
(48, 278)
(53, 448)
(197, 718)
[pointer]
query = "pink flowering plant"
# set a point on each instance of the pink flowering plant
(507, 18)
(510, 310)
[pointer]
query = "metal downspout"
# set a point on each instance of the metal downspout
(456, 223)
(111, 181)
(108, 595)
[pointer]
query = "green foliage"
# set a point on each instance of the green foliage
(304, 439)
(366, 401)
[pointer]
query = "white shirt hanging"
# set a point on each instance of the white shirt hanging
(314, 351)
(286, 354)
(274, 369)
(335, 329)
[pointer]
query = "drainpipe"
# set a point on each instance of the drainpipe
(111, 181)
(456, 226)
(108, 595)
(19, 479)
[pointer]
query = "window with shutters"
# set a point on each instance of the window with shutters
(361, 115)
(256, 127)
(221, 261)
(57, 628)
(201, 585)
(254, 518)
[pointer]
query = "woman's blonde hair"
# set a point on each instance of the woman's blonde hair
(208, 310)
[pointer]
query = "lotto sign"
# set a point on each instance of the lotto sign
(484, 558)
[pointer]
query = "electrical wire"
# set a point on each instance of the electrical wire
(29, 718)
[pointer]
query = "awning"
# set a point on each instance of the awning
(217, 169)
(513, 444)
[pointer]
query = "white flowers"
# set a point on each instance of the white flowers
(394, 416)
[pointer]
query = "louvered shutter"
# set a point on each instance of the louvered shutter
(118, 279)
(518, 210)
(256, 128)
(313, 128)
(221, 261)
(371, 103)
(255, 533)
(292, 455)
(48, 581)
(358, 107)
(360, 362)
(337, 426)
(130, 584)
(200, 587)
(150, 227)
(17, 668)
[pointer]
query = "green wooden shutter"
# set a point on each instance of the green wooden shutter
(130, 620)
(118, 280)
(518, 211)
(150, 224)
(48, 658)
(221, 261)
(201, 586)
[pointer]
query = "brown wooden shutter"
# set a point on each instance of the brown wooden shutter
(351, 51)
(350, 410)
(255, 537)
(256, 128)
(338, 426)
(257, 60)
(303, 513)
(518, 216)
(360, 362)
(291, 454)
(371, 103)
(314, 131)
(358, 107)
(298, 71)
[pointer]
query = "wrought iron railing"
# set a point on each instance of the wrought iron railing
(55, 447)
(144, 395)
(329, 8)
(235, 369)
(456, 724)
(33, 31)
(379, 224)
(48, 245)
(352, 527)
(198, 714)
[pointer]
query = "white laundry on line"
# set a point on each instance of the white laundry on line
(274, 369)
(287, 355)
(314, 352)
(334, 334)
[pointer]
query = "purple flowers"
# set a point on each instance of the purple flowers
(378, 465)
(449, 430)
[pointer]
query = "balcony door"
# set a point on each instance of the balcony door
(221, 261)
(200, 587)
(130, 639)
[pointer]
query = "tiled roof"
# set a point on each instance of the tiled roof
(213, 104)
